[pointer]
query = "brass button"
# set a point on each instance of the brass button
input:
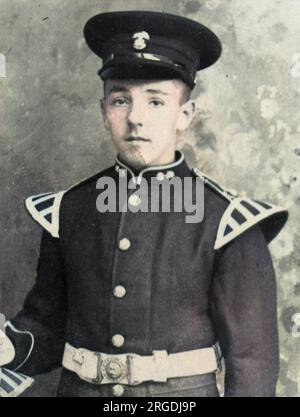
(160, 176)
(119, 291)
(118, 340)
(134, 200)
(124, 244)
(118, 390)
(170, 174)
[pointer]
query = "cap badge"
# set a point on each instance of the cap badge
(140, 39)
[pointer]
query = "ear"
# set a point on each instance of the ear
(103, 111)
(186, 115)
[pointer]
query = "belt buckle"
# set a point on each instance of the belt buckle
(114, 369)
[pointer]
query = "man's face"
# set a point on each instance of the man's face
(143, 118)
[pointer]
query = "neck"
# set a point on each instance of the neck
(163, 161)
(157, 163)
(177, 158)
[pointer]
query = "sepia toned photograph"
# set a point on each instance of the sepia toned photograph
(150, 171)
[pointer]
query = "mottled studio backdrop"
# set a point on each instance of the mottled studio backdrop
(246, 133)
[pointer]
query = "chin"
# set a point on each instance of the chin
(134, 157)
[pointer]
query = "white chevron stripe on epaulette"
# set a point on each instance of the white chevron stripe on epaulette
(241, 215)
(44, 208)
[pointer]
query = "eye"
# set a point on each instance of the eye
(120, 102)
(156, 103)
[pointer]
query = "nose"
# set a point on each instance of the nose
(135, 116)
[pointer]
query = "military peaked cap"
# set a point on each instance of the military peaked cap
(151, 45)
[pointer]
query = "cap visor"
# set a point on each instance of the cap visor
(144, 70)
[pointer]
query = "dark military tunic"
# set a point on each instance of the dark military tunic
(181, 293)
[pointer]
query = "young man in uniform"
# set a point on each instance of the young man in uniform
(136, 303)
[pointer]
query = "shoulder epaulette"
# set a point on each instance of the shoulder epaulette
(243, 213)
(44, 208)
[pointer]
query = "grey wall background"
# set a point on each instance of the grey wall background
(246, 133)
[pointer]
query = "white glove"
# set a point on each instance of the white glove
(12, 384)
(7, 350)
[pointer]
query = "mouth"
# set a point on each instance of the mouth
(136, 139)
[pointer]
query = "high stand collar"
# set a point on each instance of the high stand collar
(177, 168)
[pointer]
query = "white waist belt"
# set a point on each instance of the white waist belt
(133, 369)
